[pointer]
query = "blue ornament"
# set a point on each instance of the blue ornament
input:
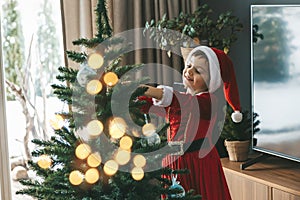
(180, 192)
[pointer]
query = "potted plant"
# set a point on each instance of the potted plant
(202, 27)
(237, 136)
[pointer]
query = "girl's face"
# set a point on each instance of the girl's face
(196, 75)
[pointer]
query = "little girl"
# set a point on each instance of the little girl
(194, 118)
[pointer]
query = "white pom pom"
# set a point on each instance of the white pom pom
(236, 116)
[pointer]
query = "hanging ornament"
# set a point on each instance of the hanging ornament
(169, 53)
(94, 159)
(137, 173)
(110, 167)
(122, 157)
(139, 160)
(180, 192)
(110, 79)
(126, 143)
(82, 151)
(94, 87)
(76, 177)
(91, 175)
(83, 74)
(44, 161)
(148, 129)
(95, 60)
(152, 140)
(94, 128)
(57, 122)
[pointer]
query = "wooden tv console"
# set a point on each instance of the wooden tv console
(270, 179)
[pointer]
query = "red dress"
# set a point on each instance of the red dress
(193, 118)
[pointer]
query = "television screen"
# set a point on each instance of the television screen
(275, 55)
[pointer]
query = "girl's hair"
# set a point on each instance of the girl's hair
(200, 54)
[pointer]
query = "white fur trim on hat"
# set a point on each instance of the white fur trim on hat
(237, 116)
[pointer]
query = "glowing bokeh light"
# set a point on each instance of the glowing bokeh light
(110, 167)
(137, 173)
(95, 60)
(110, 79)
(94, 159)
(82, 151)
(139, 160)
(148, 129)
(126, 143)
(44, 161)
(57, 122)
(92, 175)
(94, 87)
(76, 177)
(94, 128)
(122, 157)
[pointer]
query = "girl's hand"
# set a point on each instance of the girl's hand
(153, 92)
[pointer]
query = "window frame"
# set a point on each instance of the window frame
(5, 178)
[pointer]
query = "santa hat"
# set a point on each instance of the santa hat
(220, 62)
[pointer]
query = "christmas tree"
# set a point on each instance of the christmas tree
(102, 149)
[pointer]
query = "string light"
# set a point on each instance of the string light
(126, 143)
(94, 128)
(82, 151)
(122, 157)
(148, 129)
(110, 167)
(57, 122)
(92, 175)
(94, 159)
(44, 161)
(94, 87)
(95, 60)
(117, 127)
(76, 177)
(110, 79)
(137, 173)
(139, 161)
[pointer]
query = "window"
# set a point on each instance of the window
(32, 51)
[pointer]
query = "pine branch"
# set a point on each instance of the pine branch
(67, 74)
(76, 57)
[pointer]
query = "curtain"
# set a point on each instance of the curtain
(79, 18)
(133, 14)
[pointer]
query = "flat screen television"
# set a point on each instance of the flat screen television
(275, 63)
